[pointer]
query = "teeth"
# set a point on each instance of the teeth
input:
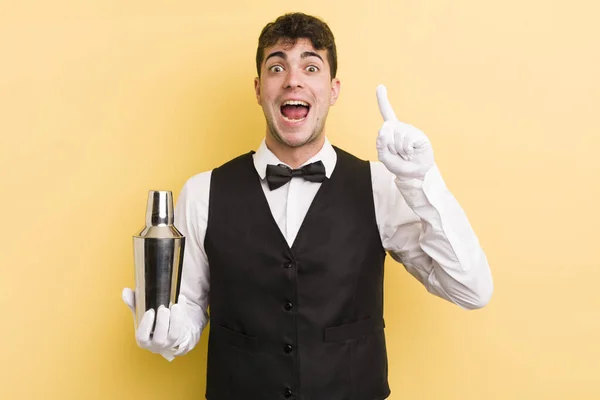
(293, 120)
(295, 103)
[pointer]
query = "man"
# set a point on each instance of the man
(292, 238)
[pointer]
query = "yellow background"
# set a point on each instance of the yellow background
(101, 101)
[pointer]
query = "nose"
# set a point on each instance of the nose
(293, 79)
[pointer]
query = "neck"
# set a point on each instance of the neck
(294, 156)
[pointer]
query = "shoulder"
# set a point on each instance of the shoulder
(196, 189)
(380, 172)
(380, 175)
(351, 163)
(200, 182)
(343, 154)
(383, 180)
(236, 162)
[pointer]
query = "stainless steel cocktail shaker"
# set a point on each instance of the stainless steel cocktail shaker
(158, 256)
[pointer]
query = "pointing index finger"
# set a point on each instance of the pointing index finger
(385, 108)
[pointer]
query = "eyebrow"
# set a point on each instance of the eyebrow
(306, 54)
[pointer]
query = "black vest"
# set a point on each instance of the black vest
(305, 322)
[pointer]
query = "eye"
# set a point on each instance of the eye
(276, 68)
(312, 68)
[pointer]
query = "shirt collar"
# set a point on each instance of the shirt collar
(264, 156)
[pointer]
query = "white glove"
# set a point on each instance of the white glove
(401, 147)
(171, 333)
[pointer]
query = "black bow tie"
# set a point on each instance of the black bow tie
(279, 175)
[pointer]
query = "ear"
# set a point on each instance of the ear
(335, 90)
(257, 89)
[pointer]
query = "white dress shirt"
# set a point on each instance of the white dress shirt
(421, 225)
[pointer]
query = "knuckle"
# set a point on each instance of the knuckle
(159, 343)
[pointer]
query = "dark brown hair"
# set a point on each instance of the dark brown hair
(290, 28)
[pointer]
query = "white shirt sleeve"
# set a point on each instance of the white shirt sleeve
(191, 216)
(423, 227)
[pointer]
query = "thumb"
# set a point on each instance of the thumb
(181, 299)
(128, 296)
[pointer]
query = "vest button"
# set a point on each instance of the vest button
(287, 265)
(288, 306)
(287, 349)
(287, 393)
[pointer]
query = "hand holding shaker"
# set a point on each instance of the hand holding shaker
(158, 256)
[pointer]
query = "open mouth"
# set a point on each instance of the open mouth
(294, 110)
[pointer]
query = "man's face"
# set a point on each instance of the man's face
(295, 90)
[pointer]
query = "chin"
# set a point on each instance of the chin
(297, 139)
